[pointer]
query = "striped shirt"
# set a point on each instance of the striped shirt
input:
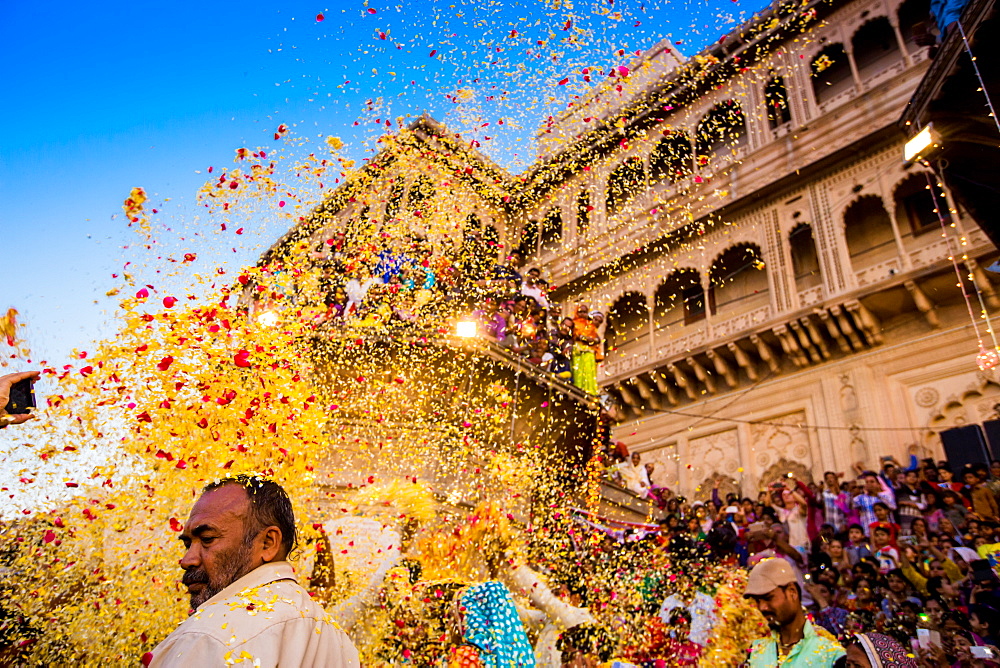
(865, 503)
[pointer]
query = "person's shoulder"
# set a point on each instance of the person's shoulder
(826, 642)
(266, 604)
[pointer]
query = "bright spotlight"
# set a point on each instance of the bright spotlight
(268, 318)
(922, 144)
(465, 329)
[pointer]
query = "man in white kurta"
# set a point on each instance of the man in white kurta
(248, 607)
(265, 617)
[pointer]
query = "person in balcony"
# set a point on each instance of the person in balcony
(633, 475)
(561, 349)
(358, 285)
(946, 13)
(584, 360)
(503, 280)
(531, 287)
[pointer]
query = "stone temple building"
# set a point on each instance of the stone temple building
(783, 293)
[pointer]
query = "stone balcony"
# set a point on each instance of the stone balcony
(678, 364)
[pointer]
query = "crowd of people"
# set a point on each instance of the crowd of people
(408, 282)
(907, 553)
(894, 566)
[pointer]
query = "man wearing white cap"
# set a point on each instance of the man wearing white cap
(794, 641)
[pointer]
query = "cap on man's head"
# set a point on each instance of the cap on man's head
(768, 575)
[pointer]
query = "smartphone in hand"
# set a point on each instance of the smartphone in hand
(22, 397)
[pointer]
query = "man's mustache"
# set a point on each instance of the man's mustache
(194, 576)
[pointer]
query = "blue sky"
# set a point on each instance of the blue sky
(102, 97)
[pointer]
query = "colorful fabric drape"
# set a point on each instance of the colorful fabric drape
(883, 650)
(584, 367)
(492, 625)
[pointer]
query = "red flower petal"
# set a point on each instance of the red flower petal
(371, 10)
(169, 301)
(320, 17)
(165, 363)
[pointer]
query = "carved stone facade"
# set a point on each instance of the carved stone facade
(781, 289)
(787, 304)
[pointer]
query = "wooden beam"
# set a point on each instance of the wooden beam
(816, 336)
(765, 353)
(924, 304)
(682, 380)
(833, 330)
(869, 324)
(722, 367)
(743, 360)
(847, 327)
(703, 375)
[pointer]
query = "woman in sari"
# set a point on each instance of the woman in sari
(875, 650)
(486, 631)
(584, 360)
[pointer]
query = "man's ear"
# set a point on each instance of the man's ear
(271, 547)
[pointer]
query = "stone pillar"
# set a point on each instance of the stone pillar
(894, 22)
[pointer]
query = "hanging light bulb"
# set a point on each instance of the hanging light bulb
(987, 359)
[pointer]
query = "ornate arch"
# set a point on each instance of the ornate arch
(867, 20)
(780, 470)
(855, 200)
(731, 246)
(727, 485)
(820, 47)
(908, 176)
(675, 270)
(972, 406)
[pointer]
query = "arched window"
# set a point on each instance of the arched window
(476, 256)
(358, 228)
(831, 72)
(875, 48)
(628, 322)
(776, 99)
(805, 260)
(914, 18)
(916, 211)
(583, 209)
(552, 231)
(529, 240)
(671, 158)
(491, 238)
(420, 193)
(868, 232)
(395, 201)
(723, 127)
(738, 279)
(624, 183)
(680, 299)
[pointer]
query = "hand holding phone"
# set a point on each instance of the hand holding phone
(983, 652)
(17, 397)
(926, 638)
